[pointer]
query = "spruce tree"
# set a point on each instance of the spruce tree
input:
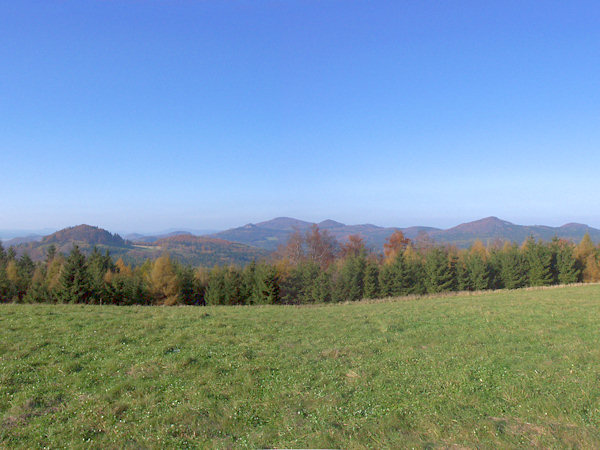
(513, 268)
(567, 265)
(371, 281)
(478, 271)
(439, 271)
(539, 259)
(74, 285)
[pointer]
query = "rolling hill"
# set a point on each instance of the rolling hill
(270, 234)
(255, 241)
(186, 248)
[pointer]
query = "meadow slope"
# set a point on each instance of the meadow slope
(502, 368)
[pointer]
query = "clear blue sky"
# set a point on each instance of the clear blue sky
(145, 115)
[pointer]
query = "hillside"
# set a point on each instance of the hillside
(492, 229)
(510, 369)
(86, 234)
(270, 234)
(197, 251)
(188, 249)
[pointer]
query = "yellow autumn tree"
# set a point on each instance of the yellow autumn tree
(587, 256)
(53, 272)
(479, 249)
(163, 281)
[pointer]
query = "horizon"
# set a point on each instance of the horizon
(14, 233)
(145, 116)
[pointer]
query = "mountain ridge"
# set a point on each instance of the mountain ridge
(255, 241)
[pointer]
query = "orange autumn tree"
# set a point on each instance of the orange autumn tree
(355, 246)
(394, 246)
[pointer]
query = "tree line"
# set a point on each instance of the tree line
(310, 268)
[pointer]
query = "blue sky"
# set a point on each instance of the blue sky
(146, 115)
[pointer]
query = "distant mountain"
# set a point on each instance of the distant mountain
(149, 239)
(270, 234)
(22, 240)
(86, 234)
(492, 229)
(6, 235)
(283, 224)
(183, 247)
(255, 241)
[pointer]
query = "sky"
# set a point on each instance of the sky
(148, 115)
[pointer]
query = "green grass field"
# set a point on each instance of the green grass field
(507, 369)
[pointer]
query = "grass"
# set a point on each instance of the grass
(499, 369)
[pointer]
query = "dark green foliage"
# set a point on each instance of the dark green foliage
(567, 266)
(478, 273)
(371, 281)
(98, 265)
(25, 268)
(265, 289)
(75, 285)
(225, 287)
(513, 268)
(190, 292)
(320, 291)
(540, 259)
(440, 273)
(128, 290)
(350, 281)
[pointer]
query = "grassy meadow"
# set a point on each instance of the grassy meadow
(506, 368)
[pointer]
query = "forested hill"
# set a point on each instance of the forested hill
(86, 234)
(185, 248)
(270, 234)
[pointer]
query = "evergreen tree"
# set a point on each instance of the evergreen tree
(266, 285)
(3, 256)
(386, 280)
(188, 294)
(4, 284)
(478, 272)
(25, 269)
(440, 273)
(371, 281)
(567, 265)
(98, 265)
(74, 285)
(215, 289)
(513, 268)
(38, 291)
(321, 289)
(50, 253)
(463, 281)
(540, 263)
(349, 285)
